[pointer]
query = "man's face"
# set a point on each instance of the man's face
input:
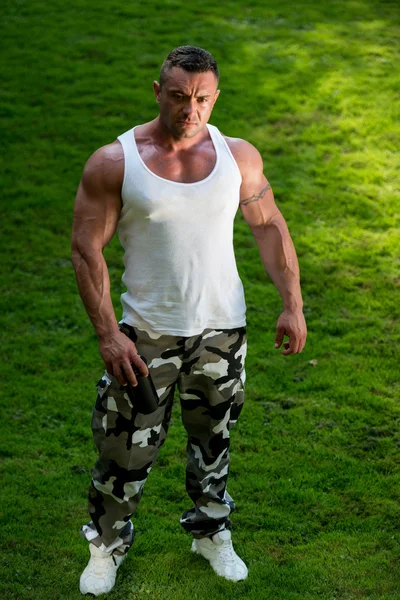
(186, 101)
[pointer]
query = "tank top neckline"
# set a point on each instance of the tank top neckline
(211, 174)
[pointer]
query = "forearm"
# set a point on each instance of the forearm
(94, 288)
(280, 260)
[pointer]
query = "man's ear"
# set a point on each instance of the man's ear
(216, 96)
(157, 90)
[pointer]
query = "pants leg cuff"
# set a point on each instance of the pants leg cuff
(119, 546)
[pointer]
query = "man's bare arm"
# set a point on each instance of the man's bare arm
(96, 214)
(274, 243)
(256, 197)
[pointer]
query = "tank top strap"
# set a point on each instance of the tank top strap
(132, 162)
(221, 146)
(127, 141)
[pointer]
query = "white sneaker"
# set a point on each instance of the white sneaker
(220, 554)
(100, 573)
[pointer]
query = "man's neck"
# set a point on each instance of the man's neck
(165, 138)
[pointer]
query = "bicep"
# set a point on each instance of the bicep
(257, 200)
(97, 209)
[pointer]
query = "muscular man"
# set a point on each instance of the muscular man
(171, 188)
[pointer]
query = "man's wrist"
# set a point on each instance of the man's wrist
(293, 305)
(104, 334)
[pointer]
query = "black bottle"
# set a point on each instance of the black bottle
(143, 396)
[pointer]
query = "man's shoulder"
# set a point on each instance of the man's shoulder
(110, 153)
(246, 155)
(106, 165)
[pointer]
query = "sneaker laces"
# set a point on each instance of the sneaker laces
(102, 565)
(226, 553)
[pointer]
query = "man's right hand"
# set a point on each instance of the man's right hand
(118, 352)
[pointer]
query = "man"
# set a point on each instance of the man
(171, 188)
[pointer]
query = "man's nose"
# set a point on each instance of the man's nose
(189, 107)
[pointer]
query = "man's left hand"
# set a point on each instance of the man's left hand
(293, 325)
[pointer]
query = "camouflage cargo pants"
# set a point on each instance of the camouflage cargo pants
(209, 372)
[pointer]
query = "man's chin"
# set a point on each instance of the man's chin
(186, 131)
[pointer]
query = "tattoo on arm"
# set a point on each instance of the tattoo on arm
(255, 197)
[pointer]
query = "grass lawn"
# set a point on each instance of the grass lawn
(315, 455)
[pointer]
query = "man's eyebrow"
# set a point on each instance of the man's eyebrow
(200, 95)
(178, 91)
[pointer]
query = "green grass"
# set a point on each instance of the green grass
(315, 458)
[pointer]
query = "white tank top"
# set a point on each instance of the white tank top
(180, 268)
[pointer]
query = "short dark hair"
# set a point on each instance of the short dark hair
(189, 58)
